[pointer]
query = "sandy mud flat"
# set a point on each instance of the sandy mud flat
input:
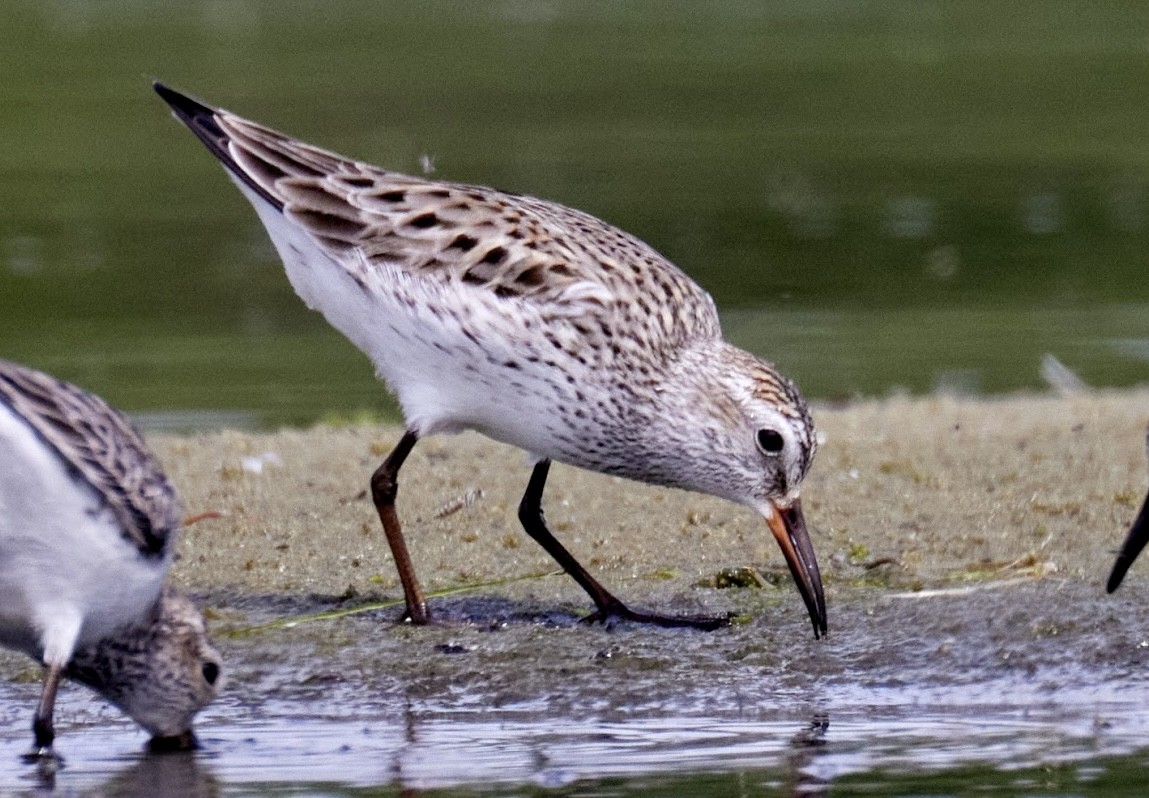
(904, 493)
(954, 536)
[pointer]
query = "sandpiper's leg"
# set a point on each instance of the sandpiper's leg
(384, 488)
(43, 732)
(608, 606)
(1135, 540)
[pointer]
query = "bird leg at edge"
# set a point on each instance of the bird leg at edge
(384, 488)
(607, 605)
(43, 731)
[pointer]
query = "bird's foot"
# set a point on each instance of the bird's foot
(617, 611)
(47, 763)
(41, 753)
(185, 741)
(422, 617)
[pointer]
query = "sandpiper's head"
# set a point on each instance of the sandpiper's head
(786, 441)
(160, 673)
(755, 444)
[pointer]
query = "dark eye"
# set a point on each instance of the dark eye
(210, 672)
(770, 441)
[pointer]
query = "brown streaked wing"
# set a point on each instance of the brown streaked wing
(514, 247)
(99, 445)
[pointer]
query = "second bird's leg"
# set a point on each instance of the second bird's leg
(384, 489)
(607, 605)
(43, 730)
(1135, 540)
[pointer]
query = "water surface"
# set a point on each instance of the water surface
(944, 695)
(880, 196)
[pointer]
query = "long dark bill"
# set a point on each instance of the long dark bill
(789, 528)
(1135, 541)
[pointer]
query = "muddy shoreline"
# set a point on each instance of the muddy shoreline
(964, 545)
(905, 493)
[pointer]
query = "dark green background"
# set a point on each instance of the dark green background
(880, 195)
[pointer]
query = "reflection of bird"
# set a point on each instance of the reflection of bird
(87, 530)
(164, 775)
(1135, 541)
(535, 324)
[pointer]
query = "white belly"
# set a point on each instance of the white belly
(444, 380)
(67, 575)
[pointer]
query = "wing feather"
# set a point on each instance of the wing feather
(510, 248)
(98, 444)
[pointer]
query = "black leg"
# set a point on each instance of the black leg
(607, 605)
(1135, 541)
(43, 732)
(384, 488)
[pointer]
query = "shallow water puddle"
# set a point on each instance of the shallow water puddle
(942, 695)
(1074, 748)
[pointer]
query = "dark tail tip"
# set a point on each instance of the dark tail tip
(202, 119)
(187, 109)
(199, 118)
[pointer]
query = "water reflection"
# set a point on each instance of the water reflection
(23, 256)
(422, 752)
(169, 775)
(143, 775)
(276, 748)
(1042, 213)
(807, 744)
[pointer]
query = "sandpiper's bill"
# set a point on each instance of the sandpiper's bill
(1134, 542)
(88, 522)
(535, 324)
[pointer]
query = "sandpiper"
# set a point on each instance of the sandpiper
(535, 324)
(88, 522)
(1134, 542)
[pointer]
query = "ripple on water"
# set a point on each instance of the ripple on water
(282, 751)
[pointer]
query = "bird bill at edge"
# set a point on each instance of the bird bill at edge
(1135, 541)
(789, 528)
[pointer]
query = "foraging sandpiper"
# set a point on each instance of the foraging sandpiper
(535, 324)
(88, 522)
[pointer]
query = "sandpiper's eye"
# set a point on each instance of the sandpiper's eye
(210, 672)
(770, 441)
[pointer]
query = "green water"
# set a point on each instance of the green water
(882, 195)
